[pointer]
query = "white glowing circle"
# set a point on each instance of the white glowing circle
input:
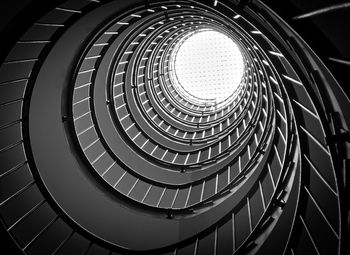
(209, 65)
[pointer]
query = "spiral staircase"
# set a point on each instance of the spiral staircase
(102, 151)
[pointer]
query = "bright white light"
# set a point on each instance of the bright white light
(209, 65)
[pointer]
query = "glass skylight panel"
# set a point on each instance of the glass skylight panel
(209, 65)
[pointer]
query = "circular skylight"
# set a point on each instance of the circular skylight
(209, 65)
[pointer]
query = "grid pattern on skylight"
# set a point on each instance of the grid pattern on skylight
(209, 65)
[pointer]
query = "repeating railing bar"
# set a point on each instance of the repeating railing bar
(40, 233)
(65, 240)
(26, 215)
(313, 167)
(309, 234)
(322, 213)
